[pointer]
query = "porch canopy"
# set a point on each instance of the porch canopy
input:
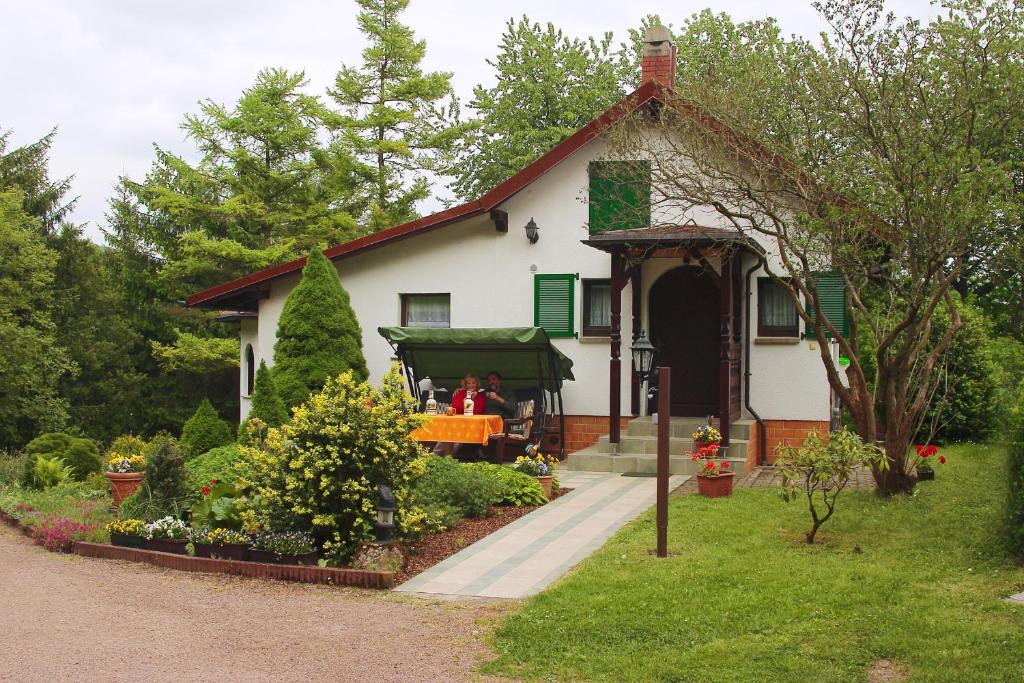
(524, 356)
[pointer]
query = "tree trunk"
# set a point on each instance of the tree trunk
(895, 479)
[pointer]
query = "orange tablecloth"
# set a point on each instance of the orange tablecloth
(460, 428)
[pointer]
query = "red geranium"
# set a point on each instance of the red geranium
(206, 490)
(213, 482)
(942, 460)
(725, 464)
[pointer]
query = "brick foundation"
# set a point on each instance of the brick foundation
(582, 431)
(791, 432)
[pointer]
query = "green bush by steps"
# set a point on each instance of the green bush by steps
(81, 455)
(205, 430)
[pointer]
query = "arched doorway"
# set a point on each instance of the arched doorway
(683, 308)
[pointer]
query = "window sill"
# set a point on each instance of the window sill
(777, 341)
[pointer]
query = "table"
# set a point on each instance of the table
(460, 428)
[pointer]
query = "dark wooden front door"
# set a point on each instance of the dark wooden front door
(684, 319)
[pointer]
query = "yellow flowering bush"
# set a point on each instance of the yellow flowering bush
(127, 454)
(320, 472)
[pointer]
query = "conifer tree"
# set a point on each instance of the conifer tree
(318, 335)
(398, 121)
(266, 401)
(205, 430)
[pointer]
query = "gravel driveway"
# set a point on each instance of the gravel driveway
(65, 617)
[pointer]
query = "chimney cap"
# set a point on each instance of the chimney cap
(657, 34)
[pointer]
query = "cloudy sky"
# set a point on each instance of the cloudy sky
(117, 76)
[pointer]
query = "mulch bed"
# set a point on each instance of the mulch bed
(438, 547)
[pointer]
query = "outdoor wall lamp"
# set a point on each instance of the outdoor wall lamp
(384, 527)
(643, 355)
(532, 231)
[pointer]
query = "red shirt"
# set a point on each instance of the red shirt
(479, 402)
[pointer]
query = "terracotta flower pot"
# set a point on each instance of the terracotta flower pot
(127, 540)
(166, 545)
(715, 487)
(123, 484)
(222, 551)
(545, 483)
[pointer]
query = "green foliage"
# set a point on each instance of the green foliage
(27, 168)
(218, 509)
(217, 464)
(49, 471)
(548, 86)
(81, 455)
(820, 468)
(205, 430)
(77, 501)
(320, 472)
(519, 489)
(12, 465)
(1015, 489)
(164, 486)
(318, 335)
(196, 354)
(393, 115)
(266, 401)
(964, 408)
(449, 484)
(29, 392)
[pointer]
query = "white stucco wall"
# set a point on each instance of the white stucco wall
(489, 276)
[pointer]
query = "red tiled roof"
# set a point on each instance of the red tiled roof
(626, 106)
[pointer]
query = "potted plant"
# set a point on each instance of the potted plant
(126, 466)
(707, 435)
(129, 533)
(167, 535)
(714, 478)
(287, 547)
(921, 463)
(219, 544)
(540, 467)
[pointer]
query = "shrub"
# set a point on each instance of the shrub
(448, 483)
(519, 489)
(318, 335)
(81, 455)
(205, 430)
(163, 491)
(12, 465)
(49, 471)
(266, 401)
(822, 468)
(217, 464)
(321, 471)
(1015, 509)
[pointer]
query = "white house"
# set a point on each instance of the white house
(593, 280)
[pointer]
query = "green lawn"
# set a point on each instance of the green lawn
(917, 580)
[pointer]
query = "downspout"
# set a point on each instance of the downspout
(762, 436)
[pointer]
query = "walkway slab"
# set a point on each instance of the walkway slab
(526, 556)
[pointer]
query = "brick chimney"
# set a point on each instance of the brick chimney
(659, 60)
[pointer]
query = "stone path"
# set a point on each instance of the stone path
(526, 556)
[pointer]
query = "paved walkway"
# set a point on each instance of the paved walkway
(526, 556)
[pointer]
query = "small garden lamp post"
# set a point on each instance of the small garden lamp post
(384, 527)
(643, 358)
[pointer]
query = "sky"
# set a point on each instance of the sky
(117, 76)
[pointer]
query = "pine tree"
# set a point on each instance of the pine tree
(318, 335)
(399, 121)
(266, 401)
(548, 86)
(205, 430)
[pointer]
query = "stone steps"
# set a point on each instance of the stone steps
(592, 461)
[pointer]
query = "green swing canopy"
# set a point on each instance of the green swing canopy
(524, 356)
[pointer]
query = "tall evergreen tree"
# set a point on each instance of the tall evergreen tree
(399, 121)
(318, 335)
(27, 167)
(548, 86)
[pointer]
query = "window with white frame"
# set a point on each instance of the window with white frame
(426, 310)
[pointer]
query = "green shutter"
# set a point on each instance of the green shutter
(620, 195)
(832, 298)
(553, 308)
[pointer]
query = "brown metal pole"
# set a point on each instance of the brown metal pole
(664, 392)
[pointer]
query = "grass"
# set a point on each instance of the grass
(916, 580)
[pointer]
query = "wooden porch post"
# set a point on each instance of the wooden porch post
(634, 287)
(615, 368)
(725, 344)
